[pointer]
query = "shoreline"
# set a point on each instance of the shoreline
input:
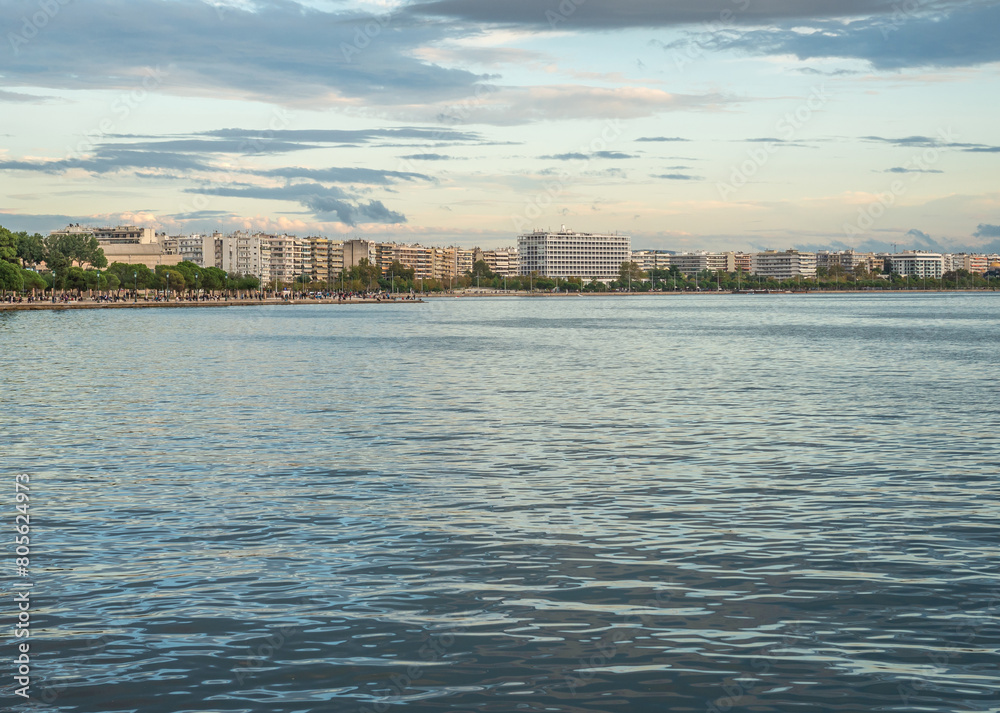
(49, 306)
(41, 306)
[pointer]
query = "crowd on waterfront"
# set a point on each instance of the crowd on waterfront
(134, 296)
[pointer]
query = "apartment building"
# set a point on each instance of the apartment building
(916, 264)
(501, 261)
(566, 253)
(651, 259)
(691, 263)
(786, 265)
(964, 261)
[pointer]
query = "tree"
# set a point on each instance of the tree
(365, 273)
(8, 245)
(30, 248)
(173, 279)
(33, 281)
(402, 271)
(11, 277)
(482, 270)
(630, 272)
(61, 251)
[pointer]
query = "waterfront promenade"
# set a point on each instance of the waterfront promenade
(93, 304)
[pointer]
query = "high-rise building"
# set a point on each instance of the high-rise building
(566, 253)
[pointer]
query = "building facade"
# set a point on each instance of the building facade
(566, 253)
(916, 264)
(786, 265)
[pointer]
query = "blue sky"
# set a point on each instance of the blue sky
(714, 124)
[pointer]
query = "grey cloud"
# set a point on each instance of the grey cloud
(985, 230)
(325, 203)
(368, 176)
(901, 169)
(661, 138)
(19, 98)
(930, 142)
(574, 156)
(428, 157)
(272, 50)
(677, 177)
(566, 157)
(347, 136)
(943, 34)
(605, 14)
(110, 161)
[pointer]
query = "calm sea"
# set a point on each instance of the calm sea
(697, 503)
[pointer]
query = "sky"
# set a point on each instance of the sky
(689, 124)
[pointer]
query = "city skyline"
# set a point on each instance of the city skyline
(716, 126)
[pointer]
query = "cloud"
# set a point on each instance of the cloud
(612, 155)
(901, 169)
(610, 14)
(326, 203)
(277, 51)
(368, 176)
(110, 161)
(661, 138)
(347, 136)
(577, 156)
(428, 157)
(19, 98)
(985, 230)
(677, 177)
(945, 34)
(922, 241)
(932, 142)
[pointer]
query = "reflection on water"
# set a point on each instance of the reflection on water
(645, 504)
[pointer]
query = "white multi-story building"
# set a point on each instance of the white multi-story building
(118, 235)
(245, 254)
(963, 261)
(916, 264)
(651, 259)
(199, 249)
(699, 261)
(502, 261)
(290, 257)
(786, 265)
(463, 260)
(570, 254)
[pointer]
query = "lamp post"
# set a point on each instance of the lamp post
(135, 287)
(196, 287)
(53, 286)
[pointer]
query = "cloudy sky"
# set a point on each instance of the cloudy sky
(719, 124)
